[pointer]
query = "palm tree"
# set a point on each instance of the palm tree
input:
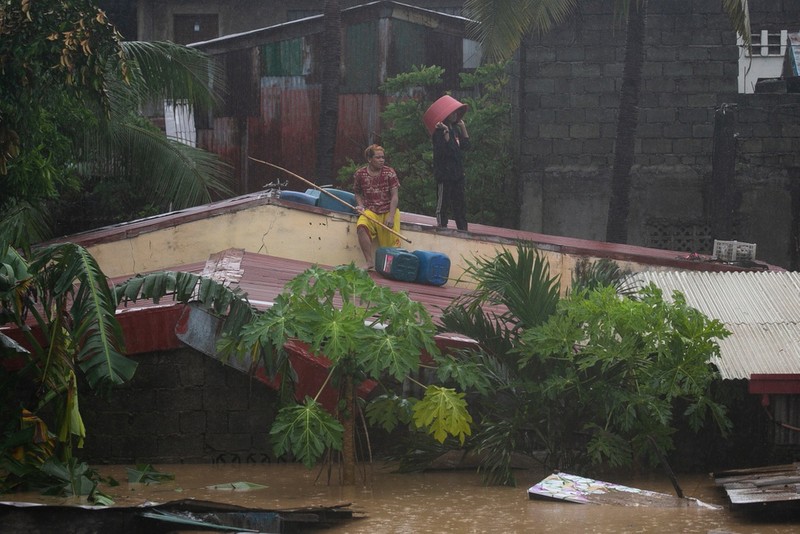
(69, 115)
(329, 100)
(502, 25)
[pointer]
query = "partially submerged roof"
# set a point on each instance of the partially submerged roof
(262, 278)
(761, 309)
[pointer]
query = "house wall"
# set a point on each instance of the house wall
(274, 78)
(286, 230)
(567, 87)
(180, 407)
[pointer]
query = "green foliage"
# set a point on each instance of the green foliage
(389, 410)
(604, 272)
(60, 301)
(518, 283)
(147, 474)
(202, 291)
(365, 330)
(596, 377)
(70, 479)
(491, 184)
(443, 411)
(623, 363)
(306, 431)
(70, 125)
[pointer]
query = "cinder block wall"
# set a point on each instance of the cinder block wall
(567, 100)
(180, 407)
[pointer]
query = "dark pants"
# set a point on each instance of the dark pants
(450, 197)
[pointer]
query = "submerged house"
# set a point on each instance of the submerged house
(759, 362)
(185, 405)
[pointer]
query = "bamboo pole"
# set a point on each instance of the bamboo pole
(322, 190)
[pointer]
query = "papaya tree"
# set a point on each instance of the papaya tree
(360, 329)
(365, 331)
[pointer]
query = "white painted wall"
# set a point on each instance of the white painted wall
(764, 60)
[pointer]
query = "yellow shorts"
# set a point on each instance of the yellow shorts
(385, 237)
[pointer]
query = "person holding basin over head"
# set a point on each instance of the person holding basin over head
(445, 124)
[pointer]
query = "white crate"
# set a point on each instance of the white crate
(734, 251)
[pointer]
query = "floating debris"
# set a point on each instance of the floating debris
(776, 484)
(582, 490)
(237, 486)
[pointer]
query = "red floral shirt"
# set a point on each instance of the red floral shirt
(375, 191)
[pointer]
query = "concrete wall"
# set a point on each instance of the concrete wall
(568, 84)
(180, 407)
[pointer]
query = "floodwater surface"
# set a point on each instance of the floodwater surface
(439, 501)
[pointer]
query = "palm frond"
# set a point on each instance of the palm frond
(739, 13)
(165, 70)
(23, 224)
(73, 274)
(592, 275)
(177, 173)
(521, 283)
(500, 25)
(188, 287)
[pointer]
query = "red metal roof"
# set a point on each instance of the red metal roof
(262, 278)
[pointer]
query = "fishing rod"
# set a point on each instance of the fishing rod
(322, 190)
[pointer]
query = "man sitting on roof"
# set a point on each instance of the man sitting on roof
(376, 190)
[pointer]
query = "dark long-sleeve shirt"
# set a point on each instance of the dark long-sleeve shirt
(448, 157)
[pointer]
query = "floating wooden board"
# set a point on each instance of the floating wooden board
(761, 485)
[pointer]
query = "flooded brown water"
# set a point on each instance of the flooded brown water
(441, 502)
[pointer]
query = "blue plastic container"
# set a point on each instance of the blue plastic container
(434, 267)
(300, 198)
(325, 201)
(396, 263)
(313, 192)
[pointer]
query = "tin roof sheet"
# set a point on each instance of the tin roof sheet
(761, 309)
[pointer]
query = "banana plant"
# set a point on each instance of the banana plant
(60, 302)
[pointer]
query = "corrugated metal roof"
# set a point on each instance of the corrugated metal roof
(761, 309)
(263, 278)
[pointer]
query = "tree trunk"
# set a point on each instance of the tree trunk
(721, 192)
(348, 418)
(627, 121)
(329, 103)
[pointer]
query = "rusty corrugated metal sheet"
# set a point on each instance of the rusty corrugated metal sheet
(273, 76)
(361, 58)
(359, 126)
(761, 309)
(284, 58)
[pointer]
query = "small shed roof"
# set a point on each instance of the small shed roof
(352, 15)
(761, 309)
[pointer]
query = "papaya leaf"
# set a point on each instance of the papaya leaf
(306, 431)
(388, 411)
(442, 412)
